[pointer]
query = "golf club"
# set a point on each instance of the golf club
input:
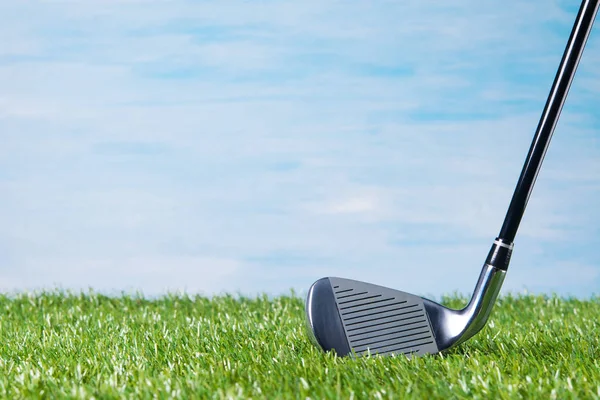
(359, 318)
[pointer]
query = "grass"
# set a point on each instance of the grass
(66, 345)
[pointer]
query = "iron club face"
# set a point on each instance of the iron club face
(357, 318)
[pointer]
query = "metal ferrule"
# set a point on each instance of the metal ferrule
(500, 253)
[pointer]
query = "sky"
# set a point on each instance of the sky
(251, 147)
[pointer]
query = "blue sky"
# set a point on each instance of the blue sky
(254, 147)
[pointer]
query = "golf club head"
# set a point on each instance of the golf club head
(355, 318)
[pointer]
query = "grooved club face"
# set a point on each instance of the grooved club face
(381, 320)
(358, 318)
(368, 319)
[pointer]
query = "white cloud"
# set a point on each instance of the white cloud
(288, 132)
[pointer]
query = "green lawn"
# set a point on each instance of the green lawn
(82, 346)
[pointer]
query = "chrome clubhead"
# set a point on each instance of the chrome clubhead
(364, 318)
(358, 318)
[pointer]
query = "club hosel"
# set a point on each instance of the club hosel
(499, 255)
